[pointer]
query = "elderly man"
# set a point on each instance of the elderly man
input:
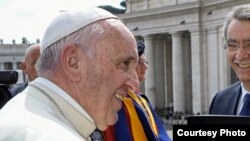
(137, 118)
(87, 64)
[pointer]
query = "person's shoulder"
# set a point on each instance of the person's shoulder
(24, 84)
(225, 99)
(232, 88)
(34, 119)
(18, 88)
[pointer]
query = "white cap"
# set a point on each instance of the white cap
(70, 21)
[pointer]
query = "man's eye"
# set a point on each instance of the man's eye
(124, 65)
(247, 45)
(232, 45)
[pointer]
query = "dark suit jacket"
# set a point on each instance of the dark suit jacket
(226, 101)
(18, 88)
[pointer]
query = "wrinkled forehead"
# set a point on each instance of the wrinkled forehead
(238, 31)
(117, 45)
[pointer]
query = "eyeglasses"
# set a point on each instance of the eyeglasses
(233, 46)
(141, 62)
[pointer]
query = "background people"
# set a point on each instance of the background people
(137, 119)
(31, 55)
(142, 65)
(236, 32)
(83, 74)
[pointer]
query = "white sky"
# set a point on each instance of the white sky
(29, 18)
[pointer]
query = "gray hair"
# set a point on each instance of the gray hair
(240, 13)
(85, 38)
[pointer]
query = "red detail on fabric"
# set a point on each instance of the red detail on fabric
(109, 134)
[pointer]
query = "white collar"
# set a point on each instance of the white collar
(72, 111)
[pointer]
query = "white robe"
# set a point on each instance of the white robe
(44, 112)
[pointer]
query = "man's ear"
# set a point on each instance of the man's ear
(71, 62)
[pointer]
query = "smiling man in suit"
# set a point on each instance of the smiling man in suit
(236, 27)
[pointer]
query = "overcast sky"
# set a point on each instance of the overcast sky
(29, 18)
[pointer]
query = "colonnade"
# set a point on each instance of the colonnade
(183, 70)
(13, 65)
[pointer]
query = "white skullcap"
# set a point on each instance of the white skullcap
(70, 21)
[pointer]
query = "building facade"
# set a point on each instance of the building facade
(11, 56)
(185, 49)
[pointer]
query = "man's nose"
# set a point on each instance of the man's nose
(241, 54)
(133, 82)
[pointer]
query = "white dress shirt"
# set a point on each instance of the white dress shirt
(244, 92)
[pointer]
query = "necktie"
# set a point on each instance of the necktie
(96, 135)
(245, 111)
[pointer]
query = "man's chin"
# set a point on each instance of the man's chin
(113, 120)
(108, 121)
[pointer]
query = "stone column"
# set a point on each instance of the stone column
(196, 59)
(212, 64)
(168, 71)
(224, 66)
(159, 69)
(178, 73)
(187, 72)
(14, 64)
(129, 6)
(150, 77)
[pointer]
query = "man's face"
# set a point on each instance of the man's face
(28, 66)
(110, 72)
(239, 48)
(141, 68)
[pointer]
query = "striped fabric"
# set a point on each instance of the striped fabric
(137, 121)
